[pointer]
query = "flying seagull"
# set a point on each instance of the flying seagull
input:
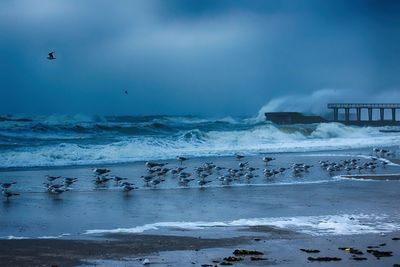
(51, 56)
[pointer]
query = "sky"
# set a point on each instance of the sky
(196, 57)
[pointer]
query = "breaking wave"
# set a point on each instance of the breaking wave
(77, 140)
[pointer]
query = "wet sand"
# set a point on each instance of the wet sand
(49, 252)
(35, 214)
(279, 249)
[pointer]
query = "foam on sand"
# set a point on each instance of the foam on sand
(343, 224)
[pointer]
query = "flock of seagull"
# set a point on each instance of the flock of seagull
(157, 173)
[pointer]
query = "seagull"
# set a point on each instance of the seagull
(51, 56)
(151, 164)
(101, 180)
(57, 191)
(118, 179)
(126, 187)
(69, 180)
(203, 182)
(6, 185)
(238, 156)
(181, 159)
(267, 159)
(51, 178)
(99, 171)
(7, 194)
(147, 179)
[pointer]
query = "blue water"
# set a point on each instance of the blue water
(76, 140)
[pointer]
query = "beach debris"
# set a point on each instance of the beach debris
(232, 259)
(396, 238)
(257, 239)
(380, 254)
(146, 262)
(352, 250)
(310, 250)
(225, 263)
(396, 265)
(207, 265)
(324, 259)
(356, 258)
(244, 252)
(382, 245)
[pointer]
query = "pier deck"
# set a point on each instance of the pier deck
(370, 107)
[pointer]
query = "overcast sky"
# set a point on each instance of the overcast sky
(200, 57)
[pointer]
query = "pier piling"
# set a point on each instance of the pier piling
(358, 107)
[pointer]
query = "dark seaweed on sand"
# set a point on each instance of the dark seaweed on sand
(310, 250)
(324, 259)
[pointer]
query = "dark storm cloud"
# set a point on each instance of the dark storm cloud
(192, 57)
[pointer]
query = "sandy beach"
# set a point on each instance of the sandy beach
(265, 247)
(174, 225)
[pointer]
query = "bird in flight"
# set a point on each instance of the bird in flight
(126, 92)
(51, 56)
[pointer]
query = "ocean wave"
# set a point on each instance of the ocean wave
(342, 224)
(264, 138)
(76, 140)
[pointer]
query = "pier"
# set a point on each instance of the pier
(370, 107)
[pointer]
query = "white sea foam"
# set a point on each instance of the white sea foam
(11, 237)
(53, 236)
(265, 138)
(343, 224)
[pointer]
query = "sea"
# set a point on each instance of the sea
(315, 203)
(68, 140)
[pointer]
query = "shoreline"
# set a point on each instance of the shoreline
(50, 252)
(277, 248)
(172, 159)
(184, 226)
(377, 177)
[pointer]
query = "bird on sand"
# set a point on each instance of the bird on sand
(100, 171)
(51, 56)
(5, 186)
(8, 194)
(238, 156)
(52, 178)
(181, 159)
